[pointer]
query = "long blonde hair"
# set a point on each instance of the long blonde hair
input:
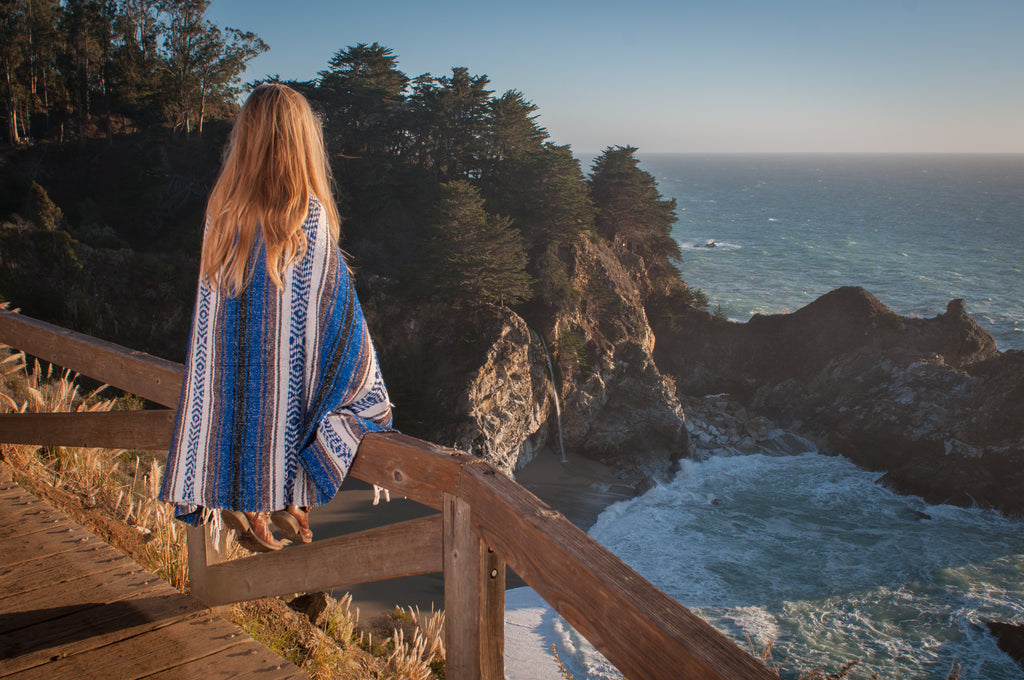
(274, 162)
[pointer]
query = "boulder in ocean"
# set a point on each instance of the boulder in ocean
(1010, 639)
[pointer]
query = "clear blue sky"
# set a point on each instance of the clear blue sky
(688, 76)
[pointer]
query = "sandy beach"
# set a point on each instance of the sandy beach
(579, 488)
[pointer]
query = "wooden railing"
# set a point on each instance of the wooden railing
(486, 521)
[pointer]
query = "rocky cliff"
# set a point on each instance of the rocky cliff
(930, 402)
(491, 391)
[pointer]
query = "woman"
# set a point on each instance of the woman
(281, 381)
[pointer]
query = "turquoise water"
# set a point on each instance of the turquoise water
(808, 555)
(915, 230)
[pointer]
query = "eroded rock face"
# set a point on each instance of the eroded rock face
(929, 401)
(946, 434)
(721, 426)
(616, 405)
(708, 355)
(509, 400)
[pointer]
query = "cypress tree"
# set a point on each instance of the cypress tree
(477, 258)
(631, 212)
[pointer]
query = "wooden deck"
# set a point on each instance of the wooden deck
(72, 606)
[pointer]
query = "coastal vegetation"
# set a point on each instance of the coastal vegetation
(453, 197)
(76, 69)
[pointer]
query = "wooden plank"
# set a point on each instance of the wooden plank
(462, 641)
(640, 629)
(409, 467)
(90, 557)
(106, 429)
(50, 541)
(111, 621)
(197, 636)
(120, 582)
(69, 551)
(474, 599)
(142, 374)
(27, 515)
(76, 628)
(403, 549)
(203, 545)
(242, 662)
(492, 613)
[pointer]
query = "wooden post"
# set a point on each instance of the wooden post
(474, 599)
(204, 549)
(492, 614)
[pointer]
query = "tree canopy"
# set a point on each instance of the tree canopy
(631, 212)
(475, 257)
(66, 64)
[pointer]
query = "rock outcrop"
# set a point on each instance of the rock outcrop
(509, 400)
(483, 385)
(930, 402)
(618, 407)
(1010, 639)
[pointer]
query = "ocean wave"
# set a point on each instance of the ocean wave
(807, 552)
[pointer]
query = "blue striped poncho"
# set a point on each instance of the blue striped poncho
(280, 387)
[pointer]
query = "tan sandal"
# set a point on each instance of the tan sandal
(251, 530)
(293, 522)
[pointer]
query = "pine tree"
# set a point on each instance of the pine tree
(631, 212)
(476, 257)
(513, 130)
(359, 95)
(48, 216)
(449, 118)
(199, 61)
(14, 28)
(545, 193)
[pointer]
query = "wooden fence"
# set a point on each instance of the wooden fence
(486, 521)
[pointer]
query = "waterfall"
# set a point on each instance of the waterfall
(554, 393)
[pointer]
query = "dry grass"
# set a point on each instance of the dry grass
(114, 493)
(121, 484)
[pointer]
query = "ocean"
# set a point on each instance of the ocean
(915, 230)
(807, 554)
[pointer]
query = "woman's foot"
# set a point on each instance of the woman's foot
(252, 530)
(293, 522)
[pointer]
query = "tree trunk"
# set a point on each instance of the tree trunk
(12, 106)
(26, 119)
(46, 105)
(31, 55)
(202, 111)
(106, 106)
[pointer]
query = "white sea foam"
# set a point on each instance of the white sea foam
(807, 554)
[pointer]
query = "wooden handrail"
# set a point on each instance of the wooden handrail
(141, 374)
(487, 520)
(403, 549)
(147, 430)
